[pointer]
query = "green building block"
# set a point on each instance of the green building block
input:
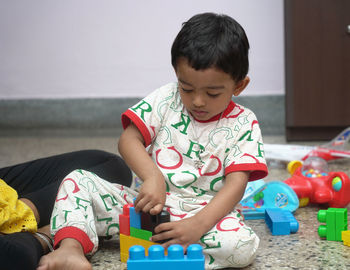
(141, 234)
(336, 220)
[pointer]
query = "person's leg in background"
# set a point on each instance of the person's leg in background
(37, 183)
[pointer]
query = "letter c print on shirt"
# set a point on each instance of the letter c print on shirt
(173, 166)
(184, 183)
(143, 107)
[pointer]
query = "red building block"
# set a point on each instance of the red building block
(124, 220)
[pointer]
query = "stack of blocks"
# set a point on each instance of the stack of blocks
(281, 222)
(175, 260)
(336, 220)
(137, 229)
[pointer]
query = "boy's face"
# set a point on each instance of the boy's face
(206, 93)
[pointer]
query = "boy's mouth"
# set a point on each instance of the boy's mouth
(199, 114)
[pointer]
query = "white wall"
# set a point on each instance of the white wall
(110, 48)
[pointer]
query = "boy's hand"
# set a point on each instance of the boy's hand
(152, 196)
(183, 232)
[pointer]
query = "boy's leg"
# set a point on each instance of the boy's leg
(229, 244)
(86, 207)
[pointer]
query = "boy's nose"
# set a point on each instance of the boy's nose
(198, 101)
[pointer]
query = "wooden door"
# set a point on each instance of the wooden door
(317, 43)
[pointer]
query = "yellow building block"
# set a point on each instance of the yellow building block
(127, 241)
(345, 236)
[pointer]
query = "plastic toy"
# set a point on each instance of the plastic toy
(149, 222)
(259, 196)
(135, 218)
(336, 220)
(157, 260)
(345, 237)
(139, 233)
(281, 222)
(127, 241)
(314, 184)
(124, 220)
(337, 148)
(137, 229)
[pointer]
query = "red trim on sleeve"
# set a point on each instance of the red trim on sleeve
(129, 116)
(75, 233)
(257, 170)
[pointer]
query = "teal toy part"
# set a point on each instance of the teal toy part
(261, 195)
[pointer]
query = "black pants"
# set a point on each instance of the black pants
(39, 180)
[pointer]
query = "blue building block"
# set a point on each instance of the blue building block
(135, 218)
(281, 222)
(157, 260)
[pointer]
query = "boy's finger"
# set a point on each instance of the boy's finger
(156, 209)
(163, 237)
(139, 204)
(163, 227)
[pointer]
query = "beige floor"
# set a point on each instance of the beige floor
(303, 250)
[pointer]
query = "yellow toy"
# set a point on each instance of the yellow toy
(345, 236)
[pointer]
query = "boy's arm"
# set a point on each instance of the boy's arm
(152, 193)
(190, 230)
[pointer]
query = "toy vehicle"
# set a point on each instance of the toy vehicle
(314, 184)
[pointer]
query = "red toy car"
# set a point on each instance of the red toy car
(314, 184)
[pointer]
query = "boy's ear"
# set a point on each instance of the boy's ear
(241, 85)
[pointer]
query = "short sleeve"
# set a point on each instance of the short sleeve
(247, 154)
(149, 113)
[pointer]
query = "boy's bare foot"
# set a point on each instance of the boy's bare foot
(69, 256)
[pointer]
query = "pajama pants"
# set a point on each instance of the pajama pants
(87, 207)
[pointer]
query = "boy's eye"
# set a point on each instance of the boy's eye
(186, 90)
(213, 95)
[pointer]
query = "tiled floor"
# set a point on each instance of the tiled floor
(303, 250)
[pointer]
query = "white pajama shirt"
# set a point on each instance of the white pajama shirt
(88, 206)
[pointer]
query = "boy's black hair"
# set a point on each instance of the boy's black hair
(213, 40)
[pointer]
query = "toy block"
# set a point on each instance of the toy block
(280, 222)
(149, 222)
(336, 222)
(134, 231)
(139, 233)
(157, 260)
(135, 218)
(345, 237)
(124, 220)
(342, 220)
(127, 241)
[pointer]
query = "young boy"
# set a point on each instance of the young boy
(194, 150)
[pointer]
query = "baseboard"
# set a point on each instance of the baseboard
(36, 115)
